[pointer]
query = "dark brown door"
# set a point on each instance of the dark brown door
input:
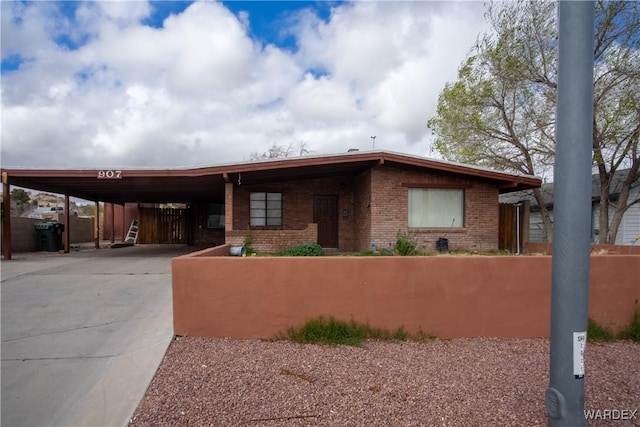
(325, 214)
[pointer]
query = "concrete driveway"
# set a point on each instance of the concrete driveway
(83, 333)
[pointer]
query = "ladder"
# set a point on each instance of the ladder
(132, 234)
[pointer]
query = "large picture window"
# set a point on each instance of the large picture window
(266, 209)
(436, 207)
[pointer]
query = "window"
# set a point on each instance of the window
(215, 215)
(266, 209)
(436, 207)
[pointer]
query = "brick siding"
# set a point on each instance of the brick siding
(389, 210)
(376, 207)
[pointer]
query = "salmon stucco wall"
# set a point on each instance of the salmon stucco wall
(258, 297)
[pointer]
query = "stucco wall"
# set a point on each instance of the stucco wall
(23, 232)
(257, 297)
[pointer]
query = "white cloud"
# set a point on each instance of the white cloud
(200, 91)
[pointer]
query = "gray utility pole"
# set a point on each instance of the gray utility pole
(564, 399)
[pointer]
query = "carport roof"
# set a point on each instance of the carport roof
(207, 183)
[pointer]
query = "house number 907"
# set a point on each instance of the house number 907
(109, 174)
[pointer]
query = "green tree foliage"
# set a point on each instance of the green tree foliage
(18, 195)
(20, 201)
(500, 112)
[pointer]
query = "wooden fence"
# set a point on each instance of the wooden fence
(162, 226)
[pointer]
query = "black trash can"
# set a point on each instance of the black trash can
(49, 236)
(442, 244)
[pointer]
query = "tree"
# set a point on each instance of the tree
(20, 201)
(279, 151)
(500, 112)
(20, 196)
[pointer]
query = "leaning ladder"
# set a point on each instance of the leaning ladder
(132, 234)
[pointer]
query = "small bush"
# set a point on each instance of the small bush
(305, 249)
(335, 332)
(632, 332)
(248, 240)
(332, 332)
(406, 244)
(596, 332)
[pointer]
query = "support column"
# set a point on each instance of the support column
(228, 208)
(96, 229)
(125, 227)
(67, 225)
(113, 222)
(6, 217)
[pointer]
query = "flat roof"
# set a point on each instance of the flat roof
(207, 183)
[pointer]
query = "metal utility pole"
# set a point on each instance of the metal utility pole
(564, 399)
(373, 138)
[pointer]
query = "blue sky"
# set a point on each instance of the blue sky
(166, 83)
(266, 21)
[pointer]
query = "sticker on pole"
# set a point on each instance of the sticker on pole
(579, 343)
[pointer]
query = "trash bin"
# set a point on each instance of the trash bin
(442, 244)
(49, 236)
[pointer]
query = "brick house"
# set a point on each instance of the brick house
(350, 201)
(345, 201)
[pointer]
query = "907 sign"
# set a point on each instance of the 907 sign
(109, 174)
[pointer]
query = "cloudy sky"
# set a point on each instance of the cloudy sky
(178, 84)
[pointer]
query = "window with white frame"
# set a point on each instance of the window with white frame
(266, 209)
(436, 207)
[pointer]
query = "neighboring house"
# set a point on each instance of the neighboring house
(346, 202)
(629, 230)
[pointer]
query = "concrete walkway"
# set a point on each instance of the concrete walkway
(83, 333)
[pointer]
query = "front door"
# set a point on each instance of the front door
(325, 214)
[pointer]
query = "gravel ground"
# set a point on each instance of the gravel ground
(459, 382)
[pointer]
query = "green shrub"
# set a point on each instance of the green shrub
(332, 331)
(248, 240)
(596, 332)
(632, 332)
(335, 332)
(305, 249)
(406, 244)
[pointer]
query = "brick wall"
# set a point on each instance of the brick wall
(200, 233)
(389, 210)
(272, 240)
(297, 213)
(362, 211)
(376, 207)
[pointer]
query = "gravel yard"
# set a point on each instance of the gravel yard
(459, 382)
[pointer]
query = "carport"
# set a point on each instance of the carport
(188, 185)
(111, 186)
